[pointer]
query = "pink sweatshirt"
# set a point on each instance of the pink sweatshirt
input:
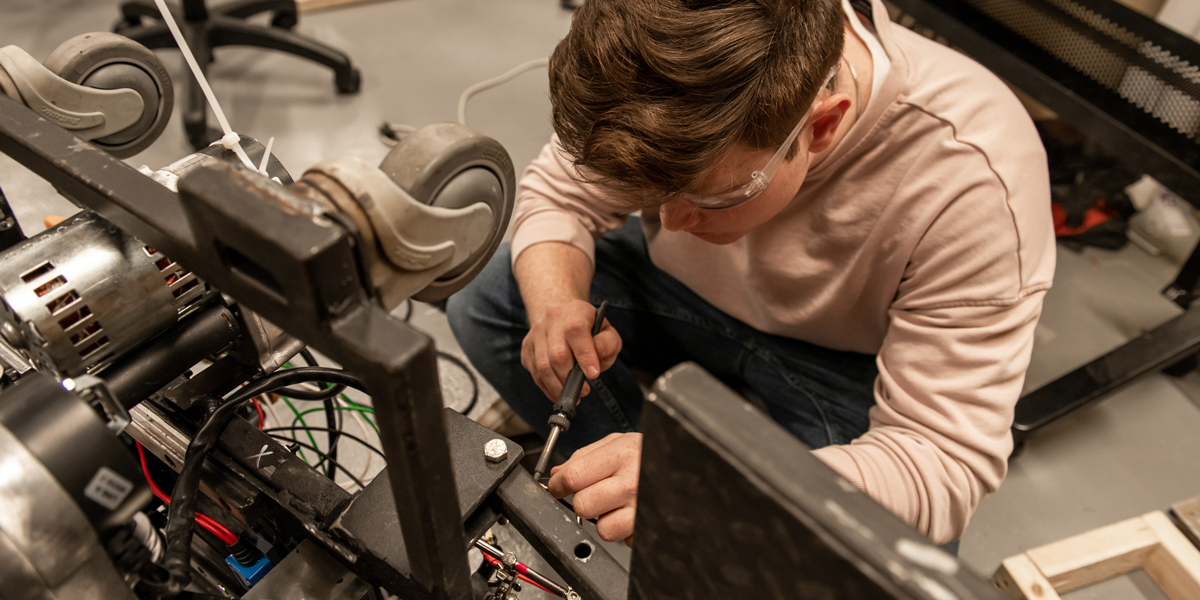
(924, 238)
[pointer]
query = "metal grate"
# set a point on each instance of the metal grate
(1140, 71)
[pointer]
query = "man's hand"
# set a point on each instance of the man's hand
(562, 337)
(555, 279)
(604, 478)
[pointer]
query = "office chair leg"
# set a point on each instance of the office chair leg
(224, 31)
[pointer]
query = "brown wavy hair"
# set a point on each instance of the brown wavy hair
(648, 95)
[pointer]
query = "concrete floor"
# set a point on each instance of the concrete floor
(1135, 452)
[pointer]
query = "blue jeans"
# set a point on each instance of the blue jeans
(819, 395)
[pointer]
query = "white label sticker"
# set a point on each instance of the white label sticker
(108, 488)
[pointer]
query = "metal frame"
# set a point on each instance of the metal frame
(301, 274)
(731, 505)
(1142, 141)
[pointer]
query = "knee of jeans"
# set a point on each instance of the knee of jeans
(486, 296)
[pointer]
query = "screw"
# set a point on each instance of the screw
(496, 450)
(572, 595)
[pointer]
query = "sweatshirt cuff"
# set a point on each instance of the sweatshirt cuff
(552, 226)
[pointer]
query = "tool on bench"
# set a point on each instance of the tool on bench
(564, 409)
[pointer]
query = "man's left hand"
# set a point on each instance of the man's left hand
(604, 478)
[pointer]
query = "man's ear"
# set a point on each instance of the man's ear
(826, 118)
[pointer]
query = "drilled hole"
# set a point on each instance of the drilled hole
(583, 551)
(185, 288)
(43, 269)
(50, 286)
(75, 317)
(62, 301)
(94, 346)
(85, 333)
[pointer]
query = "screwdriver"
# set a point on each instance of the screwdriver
(564, 409)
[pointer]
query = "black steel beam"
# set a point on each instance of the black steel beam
(1160, 347)
(731, 505)
(551, 529)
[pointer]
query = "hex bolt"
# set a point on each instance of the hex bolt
(496, 450)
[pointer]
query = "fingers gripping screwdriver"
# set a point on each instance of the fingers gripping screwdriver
(564, 409)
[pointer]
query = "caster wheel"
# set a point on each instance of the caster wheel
(109, 61)
(284, 20)
(452, 166)
(350, 83)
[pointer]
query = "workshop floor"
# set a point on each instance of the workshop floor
(1133, 453)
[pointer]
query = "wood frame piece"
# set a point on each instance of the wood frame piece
(1150, 542)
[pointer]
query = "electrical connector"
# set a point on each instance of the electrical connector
(252, 574)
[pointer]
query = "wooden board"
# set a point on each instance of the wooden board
(1020, 579)
(305, 6)
(1150, 542)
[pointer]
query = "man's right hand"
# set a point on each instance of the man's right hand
(561, 337)
(555, 279)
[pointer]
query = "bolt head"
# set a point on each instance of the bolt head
(496, 450)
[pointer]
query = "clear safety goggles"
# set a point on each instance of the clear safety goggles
(759, 180)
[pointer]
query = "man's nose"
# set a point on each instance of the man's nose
(678, 215)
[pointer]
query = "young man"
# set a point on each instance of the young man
(840, 218)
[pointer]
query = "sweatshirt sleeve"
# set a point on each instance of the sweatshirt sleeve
(953, 360)
(553, 205)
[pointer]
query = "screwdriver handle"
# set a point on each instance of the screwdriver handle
(573, 386)
(570, 393)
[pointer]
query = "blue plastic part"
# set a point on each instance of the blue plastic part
(252, 574)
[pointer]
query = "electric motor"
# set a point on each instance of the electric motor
(84, 292)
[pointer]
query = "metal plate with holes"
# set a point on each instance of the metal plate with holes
(371, 517)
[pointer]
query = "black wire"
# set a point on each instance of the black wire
(181, 516)
(327, 430)
(296, 393)
(408, 314)
(458, 362)
(318, 451)
(332, 417)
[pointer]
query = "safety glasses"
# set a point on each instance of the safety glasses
(759, 180)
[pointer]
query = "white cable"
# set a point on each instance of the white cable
(231, 140)
(493, 82)
(271, 409)
(266, 157)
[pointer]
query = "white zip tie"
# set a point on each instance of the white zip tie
(231, 140)
(267, 157)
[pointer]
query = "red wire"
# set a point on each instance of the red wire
(261, 417)
(202, 519)
(496, 562)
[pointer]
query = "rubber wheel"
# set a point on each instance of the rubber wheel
(94, 55)
(442, 155)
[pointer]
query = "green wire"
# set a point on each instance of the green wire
(300, 417)
(354, 406)
(300, 414)
(365, 410)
